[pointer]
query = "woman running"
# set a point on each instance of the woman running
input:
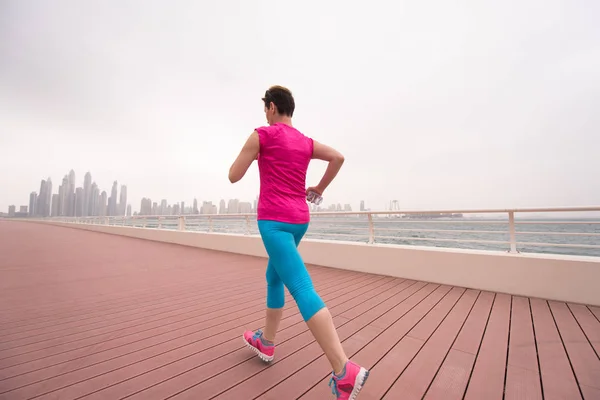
(284, 154)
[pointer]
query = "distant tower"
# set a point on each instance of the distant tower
(112, 201)
(41, 204)
(71, 194)
(48, 201)
(123, 201)
(33, 197)
(87, 194)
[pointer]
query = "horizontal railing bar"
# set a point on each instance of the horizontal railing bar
(444, 240)
(558, 222)
(559, 233)
(583, 246)
(334, 234)
(437, 230)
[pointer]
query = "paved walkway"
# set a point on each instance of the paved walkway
(95, 316)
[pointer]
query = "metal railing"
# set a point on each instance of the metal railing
(541, 230)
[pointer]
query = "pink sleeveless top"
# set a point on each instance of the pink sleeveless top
(282, 163)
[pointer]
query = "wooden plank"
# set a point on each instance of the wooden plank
(487, 379)
(168, 333)
(155, 370)
(233, 285)
(270, 380)
(588, 322)
(404, 317)
(453, 376)
(203, 302)
(418, 375)
(522, 372)
(402, 347)
(558, 381)
(156, 345)
(292, 359)
(102, 374)
(47, 351)
(595, 311)
(584, 360)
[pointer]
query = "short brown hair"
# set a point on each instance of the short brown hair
(282, 98)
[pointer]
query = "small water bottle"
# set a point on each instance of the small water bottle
(314, 198)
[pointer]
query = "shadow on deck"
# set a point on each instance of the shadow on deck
(89, 315)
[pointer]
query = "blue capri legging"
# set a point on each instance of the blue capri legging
(286, 267)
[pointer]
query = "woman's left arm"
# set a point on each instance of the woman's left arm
(243, 161)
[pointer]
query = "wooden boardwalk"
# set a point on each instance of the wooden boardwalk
(94, 316)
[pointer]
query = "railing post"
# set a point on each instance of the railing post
(371, 229)
(512, 232)
(247, 225)
(181, 225)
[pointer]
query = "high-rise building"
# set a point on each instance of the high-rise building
(195, 209)
(94, 200)
(182, 209)
(41, 204)
(87, 195)
(255, 208)
(347, 207)
(129, 210)
(48, 200)
(123, 201)
(163, 210)
(222, 207)
(23, 210)
(79, 201)
(208, 208)
(63, 197)
(146, 207)
(55, 205)
(102, 205)
(33, 203)
(112, 200)
(233, 207)
(362, 205)
(245, 207)
(11, 211)
(71, 194)
(176, 210)
(154, 208)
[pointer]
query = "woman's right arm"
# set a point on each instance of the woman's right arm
(335, 159)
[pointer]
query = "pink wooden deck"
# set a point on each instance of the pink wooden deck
(94, 316)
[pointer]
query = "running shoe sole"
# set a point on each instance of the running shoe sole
(261, 355)
(359, 382)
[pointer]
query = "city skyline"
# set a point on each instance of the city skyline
(86, 200)
(71, 200)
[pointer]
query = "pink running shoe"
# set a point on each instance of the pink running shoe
(255, 343)
(347, 386)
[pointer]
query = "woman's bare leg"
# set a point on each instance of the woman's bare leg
(272, 321)
(322, 327)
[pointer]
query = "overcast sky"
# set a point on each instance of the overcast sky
(438, 104)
